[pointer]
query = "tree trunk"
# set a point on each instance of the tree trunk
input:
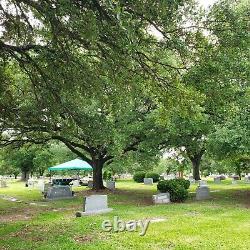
(97, 174)
(41, 172)
(181, 174)
(196, 160)
(238, 171)
(25, 176)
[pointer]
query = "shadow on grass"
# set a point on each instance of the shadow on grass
(142, 197)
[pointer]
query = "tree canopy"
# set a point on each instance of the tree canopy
(95, 76)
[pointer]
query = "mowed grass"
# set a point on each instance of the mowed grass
(223, 222)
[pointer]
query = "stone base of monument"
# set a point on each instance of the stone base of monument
(94, 204)
(59, 192)
(162, 198)
(110, 185)
(202, 193)
(103, 211)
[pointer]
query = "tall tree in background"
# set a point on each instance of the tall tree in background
(31, 159)
(20, 159)
(220, 74)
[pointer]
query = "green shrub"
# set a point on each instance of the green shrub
(180, 194)
(153, 175)
(165, 185)
(176, 189)
(139, 176)
(107, 175)
(184, 183)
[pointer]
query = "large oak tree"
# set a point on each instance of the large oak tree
(86, 73)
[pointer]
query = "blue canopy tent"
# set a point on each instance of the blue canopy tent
(76, 164)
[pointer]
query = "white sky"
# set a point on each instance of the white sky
(207, 3)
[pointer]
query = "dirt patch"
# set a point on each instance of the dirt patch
(83, 239)
(9, 198)
(22, 213)
(27, 233)
(17, 214)
(243, 196)
(192, 213)
(14, 217)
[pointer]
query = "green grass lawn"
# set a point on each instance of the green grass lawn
(223, 222)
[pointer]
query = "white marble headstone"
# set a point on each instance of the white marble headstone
(41, 185)
(3, 183)
(169, 177)
(148, 181)
(161, 198)
(217, 180)
(191, 179)
(75, 183)
(234, 181)
(31, 183)
(110, 185)
(247, 179)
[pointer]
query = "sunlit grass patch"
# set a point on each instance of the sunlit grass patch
(219, 223)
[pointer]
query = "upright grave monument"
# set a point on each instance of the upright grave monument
(217, 179)
(202, 191)
(110, 185)
(162, 198)
(148, 181)
(94, 204)
(59, 192)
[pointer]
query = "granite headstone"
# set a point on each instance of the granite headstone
(59, 192)
(161, 198)
(90, 184)
(202, 193)
(94, 204)
(148, 181)
(110, 185)
(217, 180)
